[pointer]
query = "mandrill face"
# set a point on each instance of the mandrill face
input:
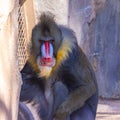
(50, 47)
(46, 39)
(46, 58)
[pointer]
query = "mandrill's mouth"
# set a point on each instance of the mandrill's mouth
(45, 65)
(47, 62)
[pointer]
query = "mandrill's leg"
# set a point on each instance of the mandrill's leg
(84, 113)
(24, 113)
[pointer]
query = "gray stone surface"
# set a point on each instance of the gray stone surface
(97, 26)
(104, 45)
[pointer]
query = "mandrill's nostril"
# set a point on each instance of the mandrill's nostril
(46, 59)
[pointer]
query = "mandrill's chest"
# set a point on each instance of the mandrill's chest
(51, 97)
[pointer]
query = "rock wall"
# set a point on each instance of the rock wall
(104, 40)
(97, 25)
(58, 7)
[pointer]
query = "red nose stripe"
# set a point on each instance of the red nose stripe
(46, 59)
(47, 48)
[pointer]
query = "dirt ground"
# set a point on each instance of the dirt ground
(108, 110)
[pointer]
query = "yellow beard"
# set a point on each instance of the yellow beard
(45, 71)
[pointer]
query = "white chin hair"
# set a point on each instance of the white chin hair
(44, 70)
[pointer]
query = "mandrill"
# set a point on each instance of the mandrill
(58, 80)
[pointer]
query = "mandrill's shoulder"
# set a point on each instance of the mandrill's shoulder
(27, 68)
(68, 34)
(27, 73)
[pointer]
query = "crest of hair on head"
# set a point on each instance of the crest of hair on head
(47, 18)
(47, 23)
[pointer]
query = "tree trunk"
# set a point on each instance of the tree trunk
(9, 73)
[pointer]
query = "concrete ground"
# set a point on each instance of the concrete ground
(108, 110)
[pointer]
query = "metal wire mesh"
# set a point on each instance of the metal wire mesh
(22, 39)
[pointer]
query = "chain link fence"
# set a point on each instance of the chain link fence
(22, 38)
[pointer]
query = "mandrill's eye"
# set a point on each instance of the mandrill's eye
(41, 41)
(52, 41)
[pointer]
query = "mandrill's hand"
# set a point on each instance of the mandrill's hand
(61, 115)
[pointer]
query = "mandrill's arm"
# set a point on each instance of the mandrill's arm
(84, 78)
(74, 101)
